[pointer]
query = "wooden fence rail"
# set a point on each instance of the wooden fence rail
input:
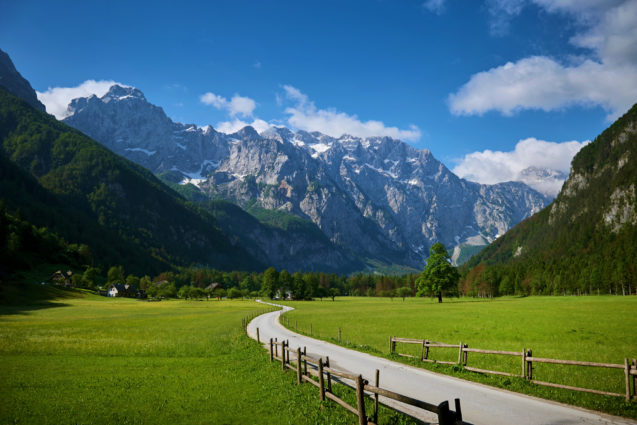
(320, 369)
(527, 360)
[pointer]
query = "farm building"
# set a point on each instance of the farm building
(213, 286)
(62, 278)
(121, 290)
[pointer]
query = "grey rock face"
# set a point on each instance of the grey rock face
(11, 80)
(376, 198)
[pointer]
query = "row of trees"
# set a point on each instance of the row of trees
(438, 278)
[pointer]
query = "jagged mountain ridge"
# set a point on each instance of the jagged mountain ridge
(377, 198)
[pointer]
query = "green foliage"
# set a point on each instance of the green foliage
(588, 328)
(270, 282)
(438, 275)
(58, 178)
(169, 362)
(115, 275)
(569, 247)
(403, 292)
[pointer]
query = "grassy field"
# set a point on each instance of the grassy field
(598, 329)
(79, 358)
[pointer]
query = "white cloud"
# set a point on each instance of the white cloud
(238, 105)
(304, 115)
(235, 125)
(490, 167)
(57, 99)
(435, 6)
(608, 77)
(501, 12)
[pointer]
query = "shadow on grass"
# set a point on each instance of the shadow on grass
(19, 298)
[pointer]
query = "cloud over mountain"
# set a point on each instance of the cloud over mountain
(530, 155)
(57, 99)
(304, 115)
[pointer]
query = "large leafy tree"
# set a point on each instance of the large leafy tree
(439, 275)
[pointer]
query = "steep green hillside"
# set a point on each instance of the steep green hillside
(63, 180)
(586, 241)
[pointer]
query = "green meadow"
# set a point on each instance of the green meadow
(81, 358)
(590, 328)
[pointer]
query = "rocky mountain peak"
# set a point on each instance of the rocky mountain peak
(377, 197)
(117, 92)
(247, 132)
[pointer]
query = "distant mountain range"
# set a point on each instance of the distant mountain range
(377, 200)
(56, 178)
(586, 240)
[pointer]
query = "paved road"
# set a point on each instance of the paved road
(481, 405)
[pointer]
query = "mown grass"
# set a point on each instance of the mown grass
(598, 329)
(89, 359)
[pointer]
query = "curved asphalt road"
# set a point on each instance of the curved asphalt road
(481, 405)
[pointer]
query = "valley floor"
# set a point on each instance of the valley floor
(590, 328)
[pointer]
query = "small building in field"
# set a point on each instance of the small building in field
(122, 290)
(213, 286)
(61, 278)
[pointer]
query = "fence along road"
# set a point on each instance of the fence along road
(481, 405)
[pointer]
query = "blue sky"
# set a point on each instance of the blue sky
(466, 79)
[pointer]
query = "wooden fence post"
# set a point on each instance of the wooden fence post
(426, 349)
(524, 368)
(466, 355)
(276, 348)
(320, 377)
(529, 366)
(635, 378)
(258, 338)
(377, 384)
(283, 356)
(305, 361)
(360, 400)
(458, 410)
(443, 413)
(460, 353)
(422, 350)
(329, 375)
(627, 373)
(298, 366)
(271, 351)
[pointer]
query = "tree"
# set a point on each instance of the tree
(285, 283)
(234, 293)
(220, 293)
(115, 275)
(90, 276)
(403, 292)
(270, 282)
(333, 292)
(438, 275)
(298, 286)
(145, 282)
(132, 280)
(184, 292)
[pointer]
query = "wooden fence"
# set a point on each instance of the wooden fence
(324, 374)
(527, 360)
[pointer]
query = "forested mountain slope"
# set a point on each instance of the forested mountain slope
(89, 195)
(586, 240)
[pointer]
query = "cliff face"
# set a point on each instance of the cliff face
(377, 198)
